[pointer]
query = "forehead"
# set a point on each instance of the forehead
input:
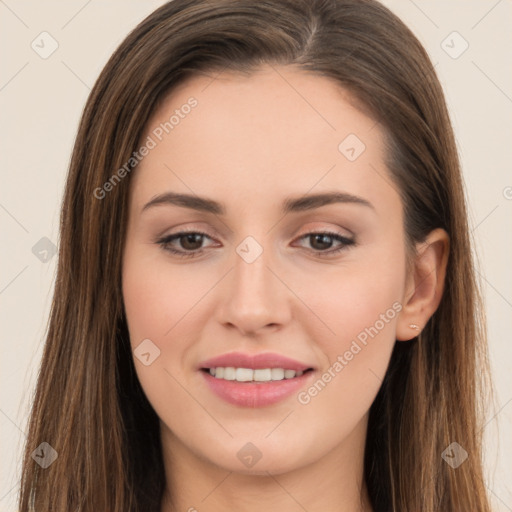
(277, 131)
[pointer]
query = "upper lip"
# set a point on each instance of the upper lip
(254, 361)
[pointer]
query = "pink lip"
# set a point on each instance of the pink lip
(254, 361)
(255, 394)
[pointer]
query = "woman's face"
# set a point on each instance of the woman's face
(267, 162)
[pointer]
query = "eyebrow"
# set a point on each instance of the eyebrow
(294, 204)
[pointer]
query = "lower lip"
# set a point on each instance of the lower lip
(255, 394)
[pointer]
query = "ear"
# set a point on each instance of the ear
(424, 284)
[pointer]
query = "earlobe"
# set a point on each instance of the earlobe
(425, 285)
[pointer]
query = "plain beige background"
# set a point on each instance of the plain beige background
(42, 99)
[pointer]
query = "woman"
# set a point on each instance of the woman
(265, 295)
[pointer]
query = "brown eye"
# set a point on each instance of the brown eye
(322, 242)
(191, 241)
(184, 244)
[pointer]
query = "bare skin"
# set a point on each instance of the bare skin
(251, 143)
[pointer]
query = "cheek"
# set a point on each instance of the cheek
(157, 297)
(156, 306)
(160, 305)
(164, 303)
(360, 306)
(362, 294)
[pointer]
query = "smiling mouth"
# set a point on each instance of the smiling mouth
(259, 375)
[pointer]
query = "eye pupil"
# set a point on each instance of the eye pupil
(193, 238)
(323, 239)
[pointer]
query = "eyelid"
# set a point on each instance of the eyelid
(321, 228)
(310, 230)
(184, 231)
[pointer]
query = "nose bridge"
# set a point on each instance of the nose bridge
(251, 275)
(252, 280)
(255, 298)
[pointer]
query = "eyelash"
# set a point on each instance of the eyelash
(165, 241)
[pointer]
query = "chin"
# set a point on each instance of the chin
(250, 460)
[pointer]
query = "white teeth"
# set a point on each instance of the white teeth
(250, 375)
(242, 374)
(263, 375)
(229, 373)
(277, 373)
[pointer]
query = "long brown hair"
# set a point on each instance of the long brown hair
(88, 403)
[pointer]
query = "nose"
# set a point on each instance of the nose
(254, 297)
